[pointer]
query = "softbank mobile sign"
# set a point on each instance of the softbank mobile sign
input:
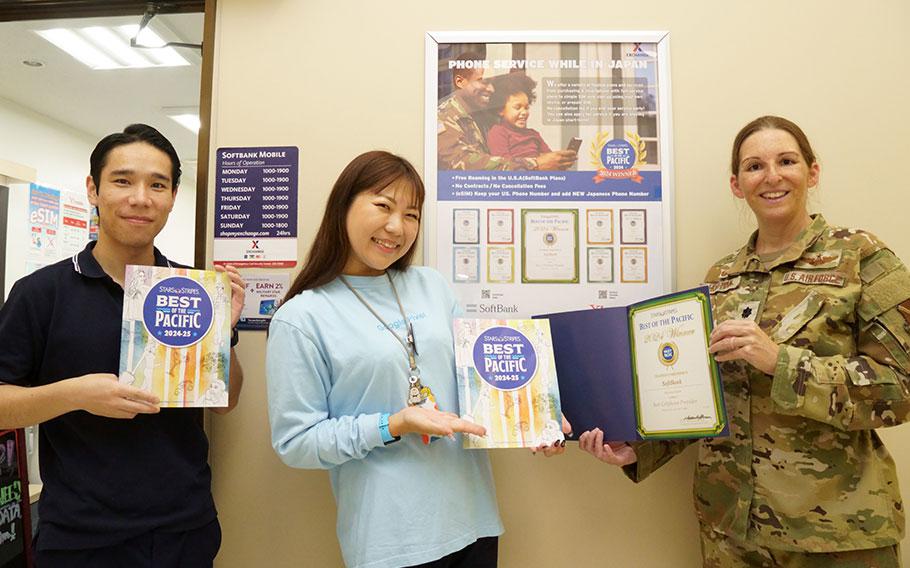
(256, 206)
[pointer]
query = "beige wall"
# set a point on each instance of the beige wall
(338, 78)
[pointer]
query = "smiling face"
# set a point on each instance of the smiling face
(382, 226)
(135, 195)
(473, 89)
(516, 110)
(774, 178)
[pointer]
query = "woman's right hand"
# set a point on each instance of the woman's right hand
(419, 420)
(616, 453)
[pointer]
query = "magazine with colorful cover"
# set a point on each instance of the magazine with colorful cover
(507, 382)
(176, 333)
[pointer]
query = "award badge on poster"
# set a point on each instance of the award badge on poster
(176, 333)
(641, 372)
(507, 382)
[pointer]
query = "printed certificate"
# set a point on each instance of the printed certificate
(500, 265)
(633, 226)
(500, 226)
(634, 264)
(677, 386)
(549, 240)
(600, 264)
(600, 226)
(642, 371)
(466, 264)
(466, 226)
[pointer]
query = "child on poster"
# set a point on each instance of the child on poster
(511, 100)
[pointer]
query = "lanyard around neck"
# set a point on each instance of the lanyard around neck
(409, 344)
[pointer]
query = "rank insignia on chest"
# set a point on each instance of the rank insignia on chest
(806, 277)
(748, 310)
(723, 285)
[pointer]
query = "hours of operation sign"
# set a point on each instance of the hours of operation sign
(256, 206)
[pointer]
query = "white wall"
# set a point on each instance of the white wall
(177, 238)
(60, 154)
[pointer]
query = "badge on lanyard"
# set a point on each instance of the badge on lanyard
(418, 394)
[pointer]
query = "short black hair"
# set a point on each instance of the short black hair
(464, 67)
(133, 133)
(504, 86)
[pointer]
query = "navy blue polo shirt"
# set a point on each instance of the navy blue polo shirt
(105, 480)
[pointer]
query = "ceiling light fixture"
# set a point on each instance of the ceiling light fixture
(68, 41)
(151, 10)
(188, 117)
(165, 56)
(116, 46)
(109, 48)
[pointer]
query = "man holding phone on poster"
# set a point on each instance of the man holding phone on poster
(462, 143)
(126, 483)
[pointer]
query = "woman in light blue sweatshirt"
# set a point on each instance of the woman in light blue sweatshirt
(361, 382)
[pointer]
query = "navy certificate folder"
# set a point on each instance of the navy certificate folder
(593, 351)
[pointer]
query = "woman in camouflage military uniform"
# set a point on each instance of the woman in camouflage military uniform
(813, 345)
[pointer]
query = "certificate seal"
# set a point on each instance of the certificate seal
(504, 358)
(177, 312)
(668, 353)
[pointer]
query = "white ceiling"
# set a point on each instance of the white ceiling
(101, 102)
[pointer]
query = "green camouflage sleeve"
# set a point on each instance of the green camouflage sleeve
(652, 455)
(460, 146)
(869, 390)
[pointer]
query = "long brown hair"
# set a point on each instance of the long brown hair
(370, 171)
(770, 122)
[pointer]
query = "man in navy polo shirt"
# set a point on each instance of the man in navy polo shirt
(125, 482)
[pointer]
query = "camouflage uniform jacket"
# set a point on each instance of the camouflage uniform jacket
(803, 468)
(461, 144)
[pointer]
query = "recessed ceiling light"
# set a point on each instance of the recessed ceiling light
(32, 63)
(109, 48)
(75, 45)
(188, 117)
(189, 121)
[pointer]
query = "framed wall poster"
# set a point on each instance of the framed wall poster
(518, 123)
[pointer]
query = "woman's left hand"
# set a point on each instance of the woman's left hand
(238, 291)
(743, 339)
(557, 447)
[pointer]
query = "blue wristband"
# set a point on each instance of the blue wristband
(387, 437)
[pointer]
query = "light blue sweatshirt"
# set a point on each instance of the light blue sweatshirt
(332, 369)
